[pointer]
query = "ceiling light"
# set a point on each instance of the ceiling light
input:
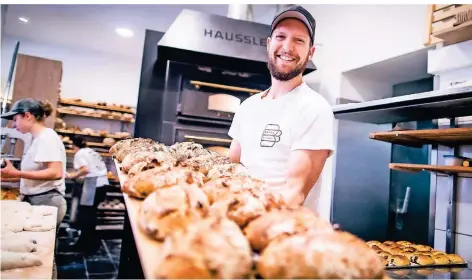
(23, 19)
(124, 32)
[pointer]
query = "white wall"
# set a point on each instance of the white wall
(89, 75)
(353, 36)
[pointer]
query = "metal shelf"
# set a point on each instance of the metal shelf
(447, 103)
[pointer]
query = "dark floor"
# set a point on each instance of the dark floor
(103, 264)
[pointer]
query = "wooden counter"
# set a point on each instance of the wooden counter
(46, 244)
(147, 248)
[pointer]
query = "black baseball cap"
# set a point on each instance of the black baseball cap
(296, 12)
(22, 106)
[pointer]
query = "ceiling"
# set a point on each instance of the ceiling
(92, 27)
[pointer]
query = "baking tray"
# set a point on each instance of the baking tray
(415, 266)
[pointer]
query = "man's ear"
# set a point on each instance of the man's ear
(268, 43)
(311, 52)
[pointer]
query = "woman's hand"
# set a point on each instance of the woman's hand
(9, 171)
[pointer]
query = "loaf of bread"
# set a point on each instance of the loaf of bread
(284, 222)
(219, 189)
(212, 248)
(142, 184)
(204, 163)
(150, 158)
(129, 143)
(167, 210)
(186, 150)
(320, 255)
(227, 170)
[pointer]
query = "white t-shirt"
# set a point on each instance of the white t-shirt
(97, 176)
(269, 129)
(46, 147)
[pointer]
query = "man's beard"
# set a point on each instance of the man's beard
(285, 76)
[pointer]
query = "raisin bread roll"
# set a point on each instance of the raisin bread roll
(420, 259)
(441, 259)
(240, 208)
(422, 248)
(151, 158)
(320, 255)
(389, 243)
(398, 260)
(276, 223)
(403, 243)
(171, 209)
(212, 248)
(373, 242)
(141, 185)
(455, 259)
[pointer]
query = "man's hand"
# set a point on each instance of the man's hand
(235, 151)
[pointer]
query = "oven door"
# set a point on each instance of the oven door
(202, 104)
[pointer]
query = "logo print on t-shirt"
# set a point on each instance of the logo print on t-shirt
(270, 135)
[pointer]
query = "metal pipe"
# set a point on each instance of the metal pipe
(240, 11)
(10, 77)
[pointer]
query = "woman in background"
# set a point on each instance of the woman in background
(90, 165)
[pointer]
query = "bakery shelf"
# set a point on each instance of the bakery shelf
(446, 103)
(91, 144)
(65, 112)
(95, 106)
(430, 168)
(64, 131)
(102, 154)
(418, 138)
(455, 34)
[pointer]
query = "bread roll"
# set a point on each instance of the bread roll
(127, 143)
(397, 260)
(389, 243)
(204, 163)
(408, 249)
(384, 254)
(421, 259)
(441, 259)
(213, 248)
(219, 189)
(227, 170)
(455, 259)
(422, 248)
(240, 208)
(320, 255)
(276, 223)
(186, 150)
(372, 243)
(395, 251)
(171, 209)
(142, 184)
(403, 243)
(152, 158)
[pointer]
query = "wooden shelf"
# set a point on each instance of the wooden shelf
(95, 106)
(61, 111)
(91, 144)
(418, 138)
(430, 168)
(455, 34)
(88, 134)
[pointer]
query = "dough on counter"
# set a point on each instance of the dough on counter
(39, 223)
(43, 210)
(12, 260)
(13, 244)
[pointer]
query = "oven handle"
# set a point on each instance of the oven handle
(211, 139)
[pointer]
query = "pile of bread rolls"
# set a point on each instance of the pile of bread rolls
(215, 221)
(405, 253)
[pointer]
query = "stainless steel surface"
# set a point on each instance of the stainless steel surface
(451, 206)
(431, 273)
(453, 102)
(240, 11)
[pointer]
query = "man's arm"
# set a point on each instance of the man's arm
(235, 151)
(81, 172)
(305, 167)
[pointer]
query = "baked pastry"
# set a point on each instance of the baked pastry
(422, 248)
(284, 222)
(186, 150)
(376, 248)
(389, 243)
(421, 259)
(128, 143)
(240, 208)
(323, 255)
(397, 260)
(384, 254)
(395, 251)
(455, 259)
(212, 248)
(171, 209)
(441, 259)
(372, 243)
(227, 170)
(204, 163)
(408, 249)
(384, 247)
(152, 159)
(220, 188)
(142, 184)
(403, 243)
(153, 147)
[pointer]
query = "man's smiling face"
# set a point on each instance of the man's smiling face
(289, 49)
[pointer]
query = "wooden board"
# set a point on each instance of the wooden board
(418, 138)
(455, 34)
(95, 106)
(432, 168)
(65, 112)
(46, 244)
(64, 131)
(148, 249)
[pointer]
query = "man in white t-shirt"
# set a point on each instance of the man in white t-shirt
(285, 134)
